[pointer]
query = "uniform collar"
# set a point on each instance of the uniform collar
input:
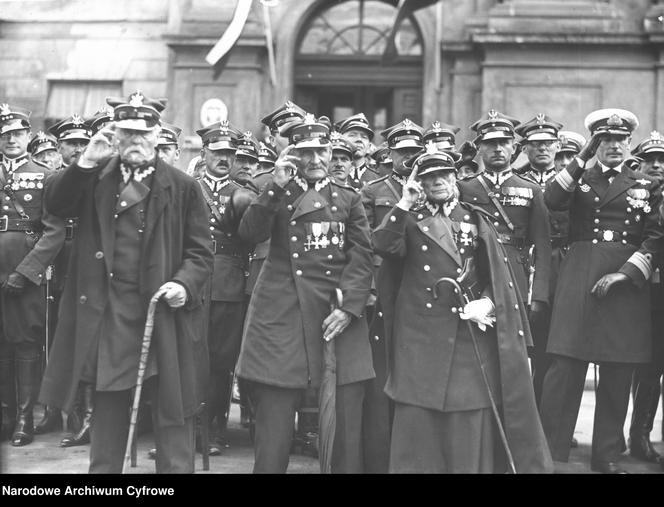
(399, 179)
(359, 171)
(138, 174)
(318, 186)
(498, 178)
(446, 208)
(214, 182)
(606, 169)
(11, 164)
(543, 176)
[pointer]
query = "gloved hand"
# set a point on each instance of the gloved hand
(537, 309)
(480, 311)
(15, 283)
(175, 295)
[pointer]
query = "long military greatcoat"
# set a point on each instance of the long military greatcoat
(175, 246)
(319, 240)
(609, 225)
(434, 364)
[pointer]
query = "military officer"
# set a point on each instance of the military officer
(30, 238)
(319, 242)
(101, 118)
(647, 377)
(279, 118)
(517, 207)
(342, 159)
(379, 197)
(227, 199)
(168, 147)
(245, 165)
(383, 162)
(142, 231)
(570, 146)
(443, 421)
(540, 145)
(73, 134)
(267, 156)
(601, 312)
(43, 150)
(356, 129)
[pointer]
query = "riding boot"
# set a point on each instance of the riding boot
(646, 400)
(75, 417)
(7, 398)
(82, 437)
(28, 373)
(52, 421)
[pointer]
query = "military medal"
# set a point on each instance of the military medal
(584, 188)
(27, 197)
(325, 228)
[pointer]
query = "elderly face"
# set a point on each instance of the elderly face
(440, 187)
(218, 162)
(541, 154)
(496, 153)
(136, 147)
(563, 159)
(340, 166)
(244, 168)
(71, 149)
(312, 162)
(169, 153)
(612, 149)
(401, 155)
(14, 143)
(50, 158)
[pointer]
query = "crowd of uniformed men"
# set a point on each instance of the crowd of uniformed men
(465, 296)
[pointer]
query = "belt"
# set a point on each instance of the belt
(231, 249)
(508, 239)
(609, 236)
(69, 231)
(17, 224)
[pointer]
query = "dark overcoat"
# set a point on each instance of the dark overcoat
(175, 246)
(319, 241)
(427, 333)
(617, 327)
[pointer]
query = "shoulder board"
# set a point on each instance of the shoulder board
(372, 182)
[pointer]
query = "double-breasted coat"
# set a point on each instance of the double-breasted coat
(319, 241)
(613, 227)
(523, 203)
(434, 365)
(175, 246)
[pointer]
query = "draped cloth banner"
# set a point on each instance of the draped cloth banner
(232, 33)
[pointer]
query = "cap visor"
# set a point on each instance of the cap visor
(312, 143)
(12, 128)
(364, 129)
(541, 136)
(133, 125)
(221, 145)
(246, 154)
(76, 135)
(42, 150)
(495, 135)
(343, 150)
(407, 143)
(653, 149)
(165, 142)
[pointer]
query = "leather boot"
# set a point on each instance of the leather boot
(75, 417)
(646, 399)
(52, 421)
(82, 437)
(28, 373)
(7, 398)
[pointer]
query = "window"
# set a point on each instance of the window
(82, 97)
(358, 27)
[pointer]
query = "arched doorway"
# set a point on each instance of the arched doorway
(338, 68)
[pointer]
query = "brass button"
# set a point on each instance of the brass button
(333, 208)
(420, 216)
(270, 193)
(424, 248)
(428, 305)
(83, 299)
(293, 222)
(393, 218)
(296, 255)
(99, 255)
(298, 272)
(290, 207)
(427, 267)
(496, 224)
(293, 239)
(123, 203)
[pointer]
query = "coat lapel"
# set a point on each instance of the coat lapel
(159, 197)
(309, 202)
(620, 183)
(105, 199)
(440, 234)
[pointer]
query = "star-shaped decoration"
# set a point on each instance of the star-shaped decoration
(615, 121)
(41, 137)
(4, 109)
(493, 114)
(656, 136)
(77, 120)
(136, 99)
(541, 119)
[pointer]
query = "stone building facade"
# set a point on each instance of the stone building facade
(454, 61)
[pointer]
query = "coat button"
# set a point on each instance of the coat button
(454, 309)
(330, 256)
(123, 203)
(458, 270)
(334, 194)
(293, 222)
(287, 192)
(298, 272)
(496, 214)
(628, 210)
(293, 239)
(596, 220)
(516, 306)
(270, 193)
(296, 255)
(420, 216)
(424, 248)
(334, 208)
(290, 207)
(328, 273)
(496, 224)
(427, 267)
(83, 299)
(474, 198)
(393, 218)
(624, 233)
(520, 333)
(594, 241)
(510, 284)
(595, 230)
(466, 217)
(425, 228)
(317, 204)
(99, 255)
(380, 314)
(596, 199)
(428, 305)
(626, 222)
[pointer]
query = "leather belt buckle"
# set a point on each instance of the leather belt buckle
(69, 232)
(4, 223)
(608, 235)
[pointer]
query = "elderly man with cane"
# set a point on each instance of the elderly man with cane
(463, 398)
(142, 229)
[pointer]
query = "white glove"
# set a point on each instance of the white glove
(175, 295)
(480, 311)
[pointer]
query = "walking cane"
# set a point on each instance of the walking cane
(463, 300)
(142, 364)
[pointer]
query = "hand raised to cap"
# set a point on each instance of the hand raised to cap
(99, 147)
(284, 167)
(411, 190)
(589, 149)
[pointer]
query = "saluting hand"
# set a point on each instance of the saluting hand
(284, 167)
(99, 147)
(411, 191)
(589, 149)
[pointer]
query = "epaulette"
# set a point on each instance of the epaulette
(372, 182)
